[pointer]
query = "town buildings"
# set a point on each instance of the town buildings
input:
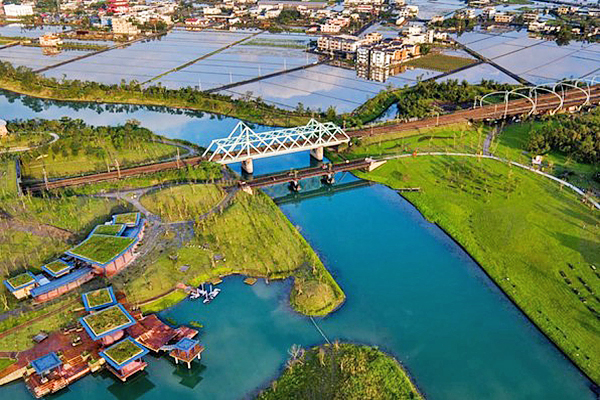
(18, 10)
(50, 40)
(123, 26)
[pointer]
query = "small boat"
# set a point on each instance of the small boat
(194, 295)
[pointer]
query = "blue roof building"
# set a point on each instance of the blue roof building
(47, 363)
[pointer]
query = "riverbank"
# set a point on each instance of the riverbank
(249, 236)
(537, 242)
(341, 371)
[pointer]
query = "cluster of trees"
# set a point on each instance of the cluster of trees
(577, 136)
(76, 137)
(423, 99)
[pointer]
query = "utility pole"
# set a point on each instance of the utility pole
(118, 169)
(45, 177)
(178, 157)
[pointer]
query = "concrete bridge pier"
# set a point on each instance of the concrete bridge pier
(328, 179)
(317, 153)
(248, 166)
(295, 186)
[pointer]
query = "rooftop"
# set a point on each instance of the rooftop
(122, 353)
(57, 268)
(47, 286)
(186, 344)
(109, 320)
(100, 298)
(130, 219)
(101, 249)
(46, 363)
(19, 281)
(112, 230)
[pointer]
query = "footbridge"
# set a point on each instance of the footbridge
(244, 145)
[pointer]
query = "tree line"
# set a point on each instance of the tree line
(577, 136)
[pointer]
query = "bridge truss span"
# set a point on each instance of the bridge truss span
(244, 144)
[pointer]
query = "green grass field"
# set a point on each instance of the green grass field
(8, 179)
(440, 62)
(457, 138)
(183, 203)
(538, 242)
(342, 371)
(251, 237)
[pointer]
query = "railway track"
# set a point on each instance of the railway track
(546, 102)
(515, 107)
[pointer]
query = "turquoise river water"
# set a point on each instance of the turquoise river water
(410, 290)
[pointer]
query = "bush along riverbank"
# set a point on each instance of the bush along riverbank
(24, 81)
(341, 371)
(250, 236)
(538, 242)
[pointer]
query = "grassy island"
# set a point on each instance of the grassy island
(538, 242)
(344, 372)
(250, 237)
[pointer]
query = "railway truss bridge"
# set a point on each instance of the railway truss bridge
(244, 145)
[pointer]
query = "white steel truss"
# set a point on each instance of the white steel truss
(584, 85)
(243, 143)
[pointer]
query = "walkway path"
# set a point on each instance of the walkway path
(55, 137)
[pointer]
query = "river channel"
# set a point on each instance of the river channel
(410, 290)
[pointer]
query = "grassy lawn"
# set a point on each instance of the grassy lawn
(102, 249)
(342, 371)
(20, 250)
(457, 138)
(251, 237)
(74, 214)
(6, 362)
(8, 179)
(440, 62)
(182, 203)
(538, 242)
